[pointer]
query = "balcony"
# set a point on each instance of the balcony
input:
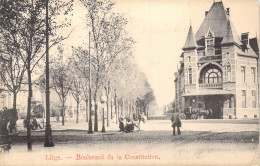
(211, 86)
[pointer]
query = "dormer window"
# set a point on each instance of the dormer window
(209, 43)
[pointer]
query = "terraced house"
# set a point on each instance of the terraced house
(219, 69)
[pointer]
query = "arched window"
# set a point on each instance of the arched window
(212, 76)
(228, 72)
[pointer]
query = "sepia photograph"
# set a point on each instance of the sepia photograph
(129, 82)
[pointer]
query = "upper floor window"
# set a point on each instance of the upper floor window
(243, 73)
(210, 44)
(253, 74)
(188, 58)
(243, 99)
(190, 76)
(253, 99)
(228, 55)
(228, 72)
(212, 76)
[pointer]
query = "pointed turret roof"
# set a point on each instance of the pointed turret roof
(230, 34)
(190, 40)
(218, 22)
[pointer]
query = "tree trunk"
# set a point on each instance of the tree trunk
(122, 107)
(96, 111)
(14, 100)
(77, 118)
(111, 109)
(107, 107)
(96, 117)
(63, 113)
(86, 102)
(115, 100)
(29, 143)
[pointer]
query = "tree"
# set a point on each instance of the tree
(109, 39)
(62, 81)
(76, 93)
(12, 73)
(23, 24)
(80, 61)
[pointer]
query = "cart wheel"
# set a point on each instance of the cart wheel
(193, 116)
(183, 116)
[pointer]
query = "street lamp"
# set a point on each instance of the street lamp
(48, 131)
(103, 99)
(90, 131)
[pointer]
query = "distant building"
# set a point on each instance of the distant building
(219, 69)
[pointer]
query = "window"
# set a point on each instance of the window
(228, 72)
(243, 73)
(232, 102)
(210, 44)
(253, 99)
(188, 58)
(229, 102)
(228, 55)
(243, 99)
(190, 76)
(253, 74)
(212, 76)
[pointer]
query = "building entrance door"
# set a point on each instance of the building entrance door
(215, 104)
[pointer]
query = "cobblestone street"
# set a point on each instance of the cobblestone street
(202, 142)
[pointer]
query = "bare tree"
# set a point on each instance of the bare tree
(12, 73)
(109, 40)
(76, 93)
(80, 62)
(62, 80)
(23, 24)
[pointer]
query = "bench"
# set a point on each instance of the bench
(5, 142)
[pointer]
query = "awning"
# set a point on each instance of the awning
(205, 92)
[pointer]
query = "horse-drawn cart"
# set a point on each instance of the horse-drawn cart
(195, 113)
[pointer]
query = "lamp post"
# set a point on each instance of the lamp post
(103, 99)
(48, 131)
(90, 131)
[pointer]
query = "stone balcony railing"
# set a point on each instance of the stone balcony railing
(211, 86)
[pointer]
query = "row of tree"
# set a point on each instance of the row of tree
(108, 55)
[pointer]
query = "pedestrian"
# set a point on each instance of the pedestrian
(121, 123)
(176, 122)
(35, 124)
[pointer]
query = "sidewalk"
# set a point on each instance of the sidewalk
(81, 126)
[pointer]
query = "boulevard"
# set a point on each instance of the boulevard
(202, 142)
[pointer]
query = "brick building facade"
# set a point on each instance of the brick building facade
(219, 69)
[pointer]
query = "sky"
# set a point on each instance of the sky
(160, 29)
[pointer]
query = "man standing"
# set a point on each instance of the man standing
(176, 122)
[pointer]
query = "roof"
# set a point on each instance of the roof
(255, 45)
(230, 34)
(203, 92)
(250, 53)
(219, 23)
(190, 40)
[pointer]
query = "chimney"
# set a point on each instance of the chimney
(206, 12)
(228, 11)
(245, 39)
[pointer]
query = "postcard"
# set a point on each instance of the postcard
(129, 82)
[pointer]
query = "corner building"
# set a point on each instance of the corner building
(219, 69)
